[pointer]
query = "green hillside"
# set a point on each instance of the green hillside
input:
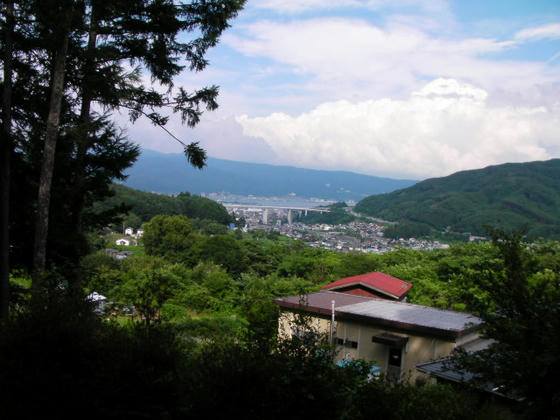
(145, 205)
(336, 216)
(509, 196)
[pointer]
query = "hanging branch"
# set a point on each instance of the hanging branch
(195, 154)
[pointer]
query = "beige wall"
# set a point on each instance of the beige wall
(287, 321)
(419, 349)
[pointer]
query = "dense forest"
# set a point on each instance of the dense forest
(510, 196)
(142, 206)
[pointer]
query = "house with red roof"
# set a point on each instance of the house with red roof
(375, 284)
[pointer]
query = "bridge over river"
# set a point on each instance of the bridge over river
(265, 209)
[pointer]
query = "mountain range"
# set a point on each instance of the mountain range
(508, 196)
(170, 173)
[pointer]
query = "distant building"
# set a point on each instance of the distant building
(139, 233)
(375, 284)
(121, 255)
(98, 300)
(129, 231)
(123, 241)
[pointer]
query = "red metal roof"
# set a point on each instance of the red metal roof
(376, 281)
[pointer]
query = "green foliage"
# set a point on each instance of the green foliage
(214, 270)
(59, 358)
(336, 216)
(522, 315)
(409, 402)
(509, 196)
(226, 251)
(209, 227)
(210, 289)
(168, 236)
(146, 205)
(132, 220)
(407, 229)
(233, 284)
(148, 284)
(228, 328)
(101, 273)
(214, 328)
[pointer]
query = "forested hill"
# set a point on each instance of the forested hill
(511, 195)
(170, 173)
(145, 205)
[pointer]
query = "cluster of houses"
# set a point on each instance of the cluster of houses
(368, 318)
(354, 236)
(131, 238)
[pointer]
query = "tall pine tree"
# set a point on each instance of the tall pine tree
(80, 58)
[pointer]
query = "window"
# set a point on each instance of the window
(347, 343)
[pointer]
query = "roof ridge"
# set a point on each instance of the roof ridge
(401, 303)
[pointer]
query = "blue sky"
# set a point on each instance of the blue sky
(402, 88)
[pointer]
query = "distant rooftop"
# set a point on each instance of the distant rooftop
(320, 302)
(393, 315)
(380, 284)
(447, 370)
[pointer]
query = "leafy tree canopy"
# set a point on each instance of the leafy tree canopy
(522, 314)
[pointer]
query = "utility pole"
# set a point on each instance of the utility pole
(332, 321)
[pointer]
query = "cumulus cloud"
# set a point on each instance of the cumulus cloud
(354, 59)
(442, 128)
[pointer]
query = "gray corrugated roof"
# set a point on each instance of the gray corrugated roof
(389, 314)
(444, 368)
(411, 314)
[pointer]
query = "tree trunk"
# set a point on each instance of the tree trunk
(83, 145)
(51, 135)
(5, 161)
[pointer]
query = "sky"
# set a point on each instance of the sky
(400, 88)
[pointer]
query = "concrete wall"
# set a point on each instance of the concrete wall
(287, 322)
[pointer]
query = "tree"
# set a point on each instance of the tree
(79, 53)
(149, 284)
(169, 237)
(5, 156)
(226, 251)
(64, 10)
(522, 315)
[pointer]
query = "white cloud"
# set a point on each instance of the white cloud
(298, 6)
(354, 59)
(550, 31)
(444, 127)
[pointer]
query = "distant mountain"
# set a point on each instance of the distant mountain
(509, 196)
(170, 173)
